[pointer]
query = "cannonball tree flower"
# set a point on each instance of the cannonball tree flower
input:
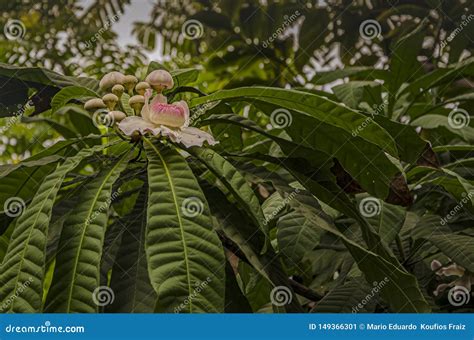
(169, 120)
(465, 278)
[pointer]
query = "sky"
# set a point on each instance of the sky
(138, 10)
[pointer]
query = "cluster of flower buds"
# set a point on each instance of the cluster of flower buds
(115, 84)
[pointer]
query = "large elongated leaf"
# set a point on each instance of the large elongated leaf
(324, 110)
(70, 93)
(235, 183)
(37, 75)
(130, 280)
(250, 239)
(26, 253)
(460, 248)
(348, 298)
(296, 236)
(328, 127)
(76, 273)
(185, 256)
(401, 290)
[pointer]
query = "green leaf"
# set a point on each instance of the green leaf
(296, 236)
(76, 273)
(401, 290)
(324, 110)
(130, 281)
(404, 65)
(359, 72)
(388, 221)
(459, 248)
(250, 239)
(347, 298)
(355, 93)
(185, 256)
(69, 93)
(184, 76)
(235, 300)
(236, 184)
(329, 133)
(25, 257)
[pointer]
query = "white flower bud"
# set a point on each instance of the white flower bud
(136, 102)
(129, 83)
(118, 90)
(94, 104)
(117, 116)
(160, 80)
(110, 100)
(111, 79)
(142, 87)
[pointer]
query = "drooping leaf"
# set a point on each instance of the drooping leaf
(130, 281)
(185, 257)
(76, 273)
(26, 254)
(235, 183)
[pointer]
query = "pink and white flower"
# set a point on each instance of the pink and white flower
(169, 120)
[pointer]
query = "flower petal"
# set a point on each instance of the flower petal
(185, 107)
(145, 113)
(131, 124)
(190, 136)
(451, 270)
(441, 288)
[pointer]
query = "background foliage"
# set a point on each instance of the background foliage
(344, 168)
